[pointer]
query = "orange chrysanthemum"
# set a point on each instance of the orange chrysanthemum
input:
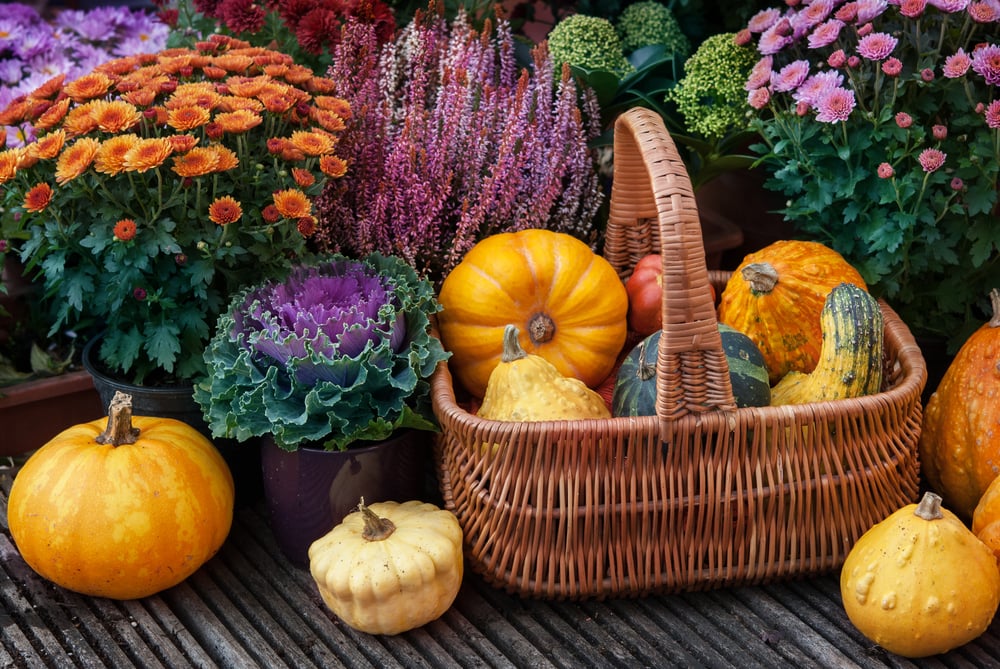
(231, 103)
(233, 62)
(8, 164)
(224, 210)
(75, 159)
(110, 158)
(306, 226)
(303, 178)
(79, 120)
(120, 66)
(38, 198)
(197, 162)
(333, 166)
(298, 74)
(247, 87)
(48, 146)
(50, 87)
(125, 230)
(188, 118)
(147, 154)
(141, 97)
(292, 203)
(239, 121)
(327, 119)
(15, 112)
(172, 64)
(320, 85)
(227, 159)
(89, 87)
(182, 143)
(338, 106)
(215, 73)
(271, 214)
(276, 103)
(195, 94)
(115, 116)
(275, 70)
(53, 115)
(312, 143)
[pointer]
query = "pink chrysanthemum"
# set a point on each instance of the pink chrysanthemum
(984, 12)
(790, 76)
(835, 105)
(877, 46)
(912, 9)
(939, 132)
(837, 59)
(950, 6)
(885, 171)
(816, 86)
(957, 183)
(931, 159)
(759, 98)
(813, 14)
(992, 114)
(775, 38)
(986, 63)
(764, 19)
(892, 66)
(825, 34)
(869, 10)
(760, 74)
(904, 120)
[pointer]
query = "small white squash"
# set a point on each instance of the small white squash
(390, 567)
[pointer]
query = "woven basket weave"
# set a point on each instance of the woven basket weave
(702, 495)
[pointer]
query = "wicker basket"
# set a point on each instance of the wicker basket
(702, 495)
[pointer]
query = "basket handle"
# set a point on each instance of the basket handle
(653, 204)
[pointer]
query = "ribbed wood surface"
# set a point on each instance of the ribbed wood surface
(702, 495)
(249, 607)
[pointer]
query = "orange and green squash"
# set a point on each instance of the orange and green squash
(960, 437)
(775, 297)
(567, 302)
(122, 507)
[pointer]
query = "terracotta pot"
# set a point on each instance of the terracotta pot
(309, 491)
(178, 402)
(35, 411)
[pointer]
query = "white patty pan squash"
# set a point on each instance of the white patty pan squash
(390, 567)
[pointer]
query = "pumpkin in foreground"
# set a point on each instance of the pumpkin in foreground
(920, 583)
(390, 567)
(122, 507)
(959, 439)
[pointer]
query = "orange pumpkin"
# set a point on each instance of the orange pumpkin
(567, 302)
(986, 517)
(776, 297)
(960, 437)
(122, 512)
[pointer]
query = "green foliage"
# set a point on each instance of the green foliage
(923, 236)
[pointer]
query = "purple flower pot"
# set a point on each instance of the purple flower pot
(309, 491)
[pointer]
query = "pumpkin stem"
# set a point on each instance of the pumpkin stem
(929, 507)
(761, 276)
(541, 329)
(120, 429)
(995, 301)
(511, 346)
(376, 528)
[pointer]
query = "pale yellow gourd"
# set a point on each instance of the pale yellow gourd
(920, 583)
(389, 567)
(527, 387)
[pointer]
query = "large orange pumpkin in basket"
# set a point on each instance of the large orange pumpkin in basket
(960, 436)
(776, 296)
(567, 302)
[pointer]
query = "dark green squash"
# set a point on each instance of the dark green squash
(635, 385)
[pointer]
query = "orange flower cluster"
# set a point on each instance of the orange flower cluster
(212, 154)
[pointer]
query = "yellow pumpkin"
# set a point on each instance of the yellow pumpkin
(567, 302)
(121, 507)
(920, 583)
(389, 567)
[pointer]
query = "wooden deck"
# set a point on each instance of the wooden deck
(249, 607)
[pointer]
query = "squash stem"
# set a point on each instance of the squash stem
(995, 303)
(120, 429)
(376, 528)
(929, 507)
(512, 349)
(761, 276)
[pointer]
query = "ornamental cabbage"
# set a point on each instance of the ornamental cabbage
(338, 352)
